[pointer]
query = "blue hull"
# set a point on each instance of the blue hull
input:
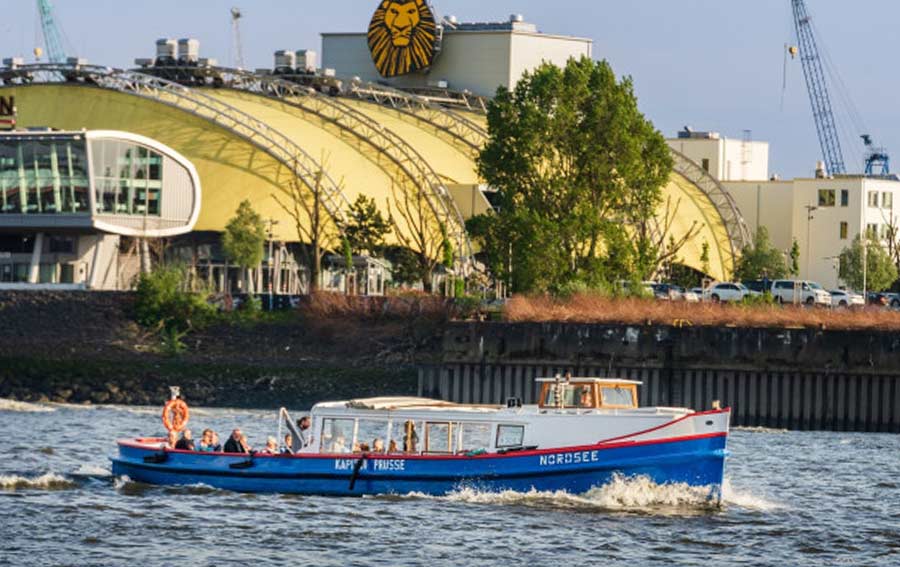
(697, 461)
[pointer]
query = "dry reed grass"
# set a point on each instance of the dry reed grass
(333, 306)
(589, 308)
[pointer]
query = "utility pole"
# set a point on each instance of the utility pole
(809, 218)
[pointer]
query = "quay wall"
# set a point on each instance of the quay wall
(806, 379)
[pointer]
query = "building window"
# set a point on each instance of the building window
(887, 200)
(43, 176)
(128, 178)
(873, 198)
(843, 231)
(845, 197)
(826, 197)
(705, 164)
(872, 230)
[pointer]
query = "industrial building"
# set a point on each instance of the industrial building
(338, 132)
(822, 213)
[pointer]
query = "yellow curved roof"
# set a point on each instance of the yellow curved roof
(232, 169)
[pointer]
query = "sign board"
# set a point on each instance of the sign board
(402, 37)
(7, 112)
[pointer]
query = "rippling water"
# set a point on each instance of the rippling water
(791, 498)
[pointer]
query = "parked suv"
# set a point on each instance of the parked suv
(800, 291)
(726, 291)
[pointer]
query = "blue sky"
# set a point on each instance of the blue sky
(711, 64)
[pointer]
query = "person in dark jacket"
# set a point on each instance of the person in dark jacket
(233, 445)
(186, 443)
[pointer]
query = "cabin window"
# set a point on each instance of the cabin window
(371, 436)
(474, 437)
(510, 435)
(438, 438)
(405, 437)
(617, 396)
(569, 396)
(337, 435)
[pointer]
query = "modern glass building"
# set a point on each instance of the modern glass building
(69, 201)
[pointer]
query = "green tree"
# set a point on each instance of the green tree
(404, 265)
(761, 260)
(244, 239)
(366, 228)
(161, 301)
(579, 171)
(795, 259)
(881, 271)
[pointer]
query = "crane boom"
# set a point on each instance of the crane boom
(52, 38)
(814, 74)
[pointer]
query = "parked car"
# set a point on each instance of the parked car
(844, 298)
(884, 298)
(759, 286)
(726, 291)
(673, 292)
(800, 291)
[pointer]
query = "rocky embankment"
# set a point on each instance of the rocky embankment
(84, 347)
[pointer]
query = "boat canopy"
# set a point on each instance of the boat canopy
(403, 403)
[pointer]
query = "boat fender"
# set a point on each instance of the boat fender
(242, 464)
(356, 467)
(156, 458)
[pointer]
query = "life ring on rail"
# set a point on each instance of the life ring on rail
(176, 414)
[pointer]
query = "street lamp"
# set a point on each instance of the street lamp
(809, 218)
(271, 261)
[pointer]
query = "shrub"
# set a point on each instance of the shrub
(162, 302)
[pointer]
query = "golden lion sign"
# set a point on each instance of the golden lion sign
(402, 37)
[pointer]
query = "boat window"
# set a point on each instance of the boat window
(337, 435)
(369, 433)
(438, 437)
(565, 395)
(405, 435)
(510, 435)
(617, 396)
(474, 437)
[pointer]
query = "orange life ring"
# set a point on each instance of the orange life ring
(175, 415)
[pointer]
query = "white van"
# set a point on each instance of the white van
(800, 291)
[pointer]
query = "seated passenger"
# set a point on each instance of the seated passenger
(363, 448)
(233, 445)
(186, 443)
(392, 447)
(245, 445)
(172, 439)
(378, 446)
(208, 442)
(288, 443)
(587, 399)
(271, 446)
(339, 445)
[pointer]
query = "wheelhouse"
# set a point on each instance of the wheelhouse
(587, 393)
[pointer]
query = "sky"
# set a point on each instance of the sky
(710, 64)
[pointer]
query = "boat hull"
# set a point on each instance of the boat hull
(696, 460)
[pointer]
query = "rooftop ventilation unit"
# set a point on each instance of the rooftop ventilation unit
(188, 51)
(516, 18)
(166, 51)
(306, 61)
(285, 62)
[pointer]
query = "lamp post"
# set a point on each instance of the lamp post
(809, 218)
(271, 261)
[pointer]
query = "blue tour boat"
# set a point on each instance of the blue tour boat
(581, 433)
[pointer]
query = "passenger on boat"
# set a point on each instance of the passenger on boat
(410, 438)
(271, 446)
(209, 442)
(186, 443)
(392, 447)
(339, 445)
(303, 426)
(245, 444)
(172, 439)
(378, 446)
(233, 445)
(288, 444)
(587, 399)
(363, 448)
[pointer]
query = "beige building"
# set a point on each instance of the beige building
(823, 214)
(475, 57)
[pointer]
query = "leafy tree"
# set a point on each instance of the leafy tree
(761, 260)
(244, 239)
(404, 265)
(881, 271)
(366, 228)
(578, 170)
(161, 302)
(795, 259)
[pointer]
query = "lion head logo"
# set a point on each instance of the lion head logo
(402, 37)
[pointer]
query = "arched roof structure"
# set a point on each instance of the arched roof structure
(251, 136)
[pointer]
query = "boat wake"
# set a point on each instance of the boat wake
(23, 407)
(635, 494)
(46, 481)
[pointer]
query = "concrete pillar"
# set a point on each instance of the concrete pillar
(146, 266)
(34, 269)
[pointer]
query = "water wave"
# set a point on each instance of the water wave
(759, 429)
(47, 481)
(23, 407)
(92, 471)
(747, 500)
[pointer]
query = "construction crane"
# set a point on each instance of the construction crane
(819, 99)
(236, 16)
(53, 43)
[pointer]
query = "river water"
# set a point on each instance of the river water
(791, 498)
